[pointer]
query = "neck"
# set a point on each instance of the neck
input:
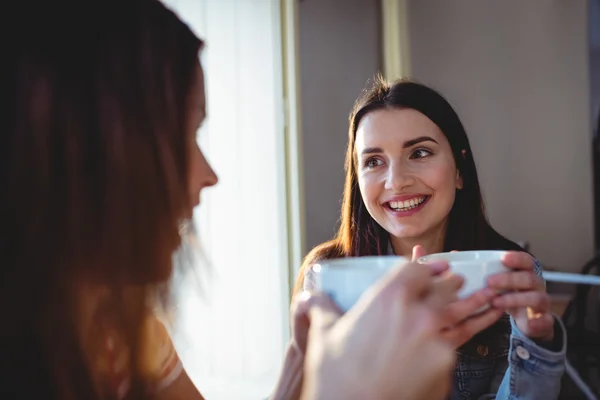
(432, 242)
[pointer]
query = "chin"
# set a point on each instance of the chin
(406, 233)
(189, 213)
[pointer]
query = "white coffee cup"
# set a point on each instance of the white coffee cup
(346, 279)
(474, 266)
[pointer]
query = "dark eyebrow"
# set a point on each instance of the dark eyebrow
(406, 145)
(372, 150)
(412, 142)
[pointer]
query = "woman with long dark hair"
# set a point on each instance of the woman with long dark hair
(412, 188)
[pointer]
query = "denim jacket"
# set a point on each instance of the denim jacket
(501, 363)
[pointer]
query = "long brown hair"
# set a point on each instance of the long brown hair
(94, 177)
(359, 234)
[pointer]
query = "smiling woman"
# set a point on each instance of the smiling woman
(412, 188)
(407, 144)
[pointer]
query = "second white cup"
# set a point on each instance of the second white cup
(474, 266)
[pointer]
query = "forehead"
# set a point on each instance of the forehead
(394, 126)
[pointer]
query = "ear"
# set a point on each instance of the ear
(459, 180)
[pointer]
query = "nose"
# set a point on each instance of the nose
(398, 177)
(203, 173)
(211, 178)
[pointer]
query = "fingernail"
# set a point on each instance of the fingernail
(438, 264)
(437, 267)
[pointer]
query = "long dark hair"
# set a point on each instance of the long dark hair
(94, 177)
(359, 234)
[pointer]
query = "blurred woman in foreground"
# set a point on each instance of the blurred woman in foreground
(101, 170)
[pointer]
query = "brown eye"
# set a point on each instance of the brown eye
(421, 153)
(373, 162)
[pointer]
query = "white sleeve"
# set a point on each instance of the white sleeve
(166, 380)
(162, 360)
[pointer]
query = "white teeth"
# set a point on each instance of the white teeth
(407, 204)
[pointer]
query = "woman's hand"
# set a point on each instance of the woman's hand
(300, 321)
(459, 324)
(525, 299)
(387, 346)
(289, 384)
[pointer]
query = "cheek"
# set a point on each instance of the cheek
(442, 179)
(370, 189)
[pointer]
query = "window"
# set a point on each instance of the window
(232, 338)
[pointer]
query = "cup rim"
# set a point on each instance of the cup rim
(341, 261)
(456, 257)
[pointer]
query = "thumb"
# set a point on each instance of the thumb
(322, 311)
(417, 252)
(409, 280)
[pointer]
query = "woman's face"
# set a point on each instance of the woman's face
(201, 174)
(406, 172)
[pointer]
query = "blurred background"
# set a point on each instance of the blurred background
(520, 75)
(281, 79)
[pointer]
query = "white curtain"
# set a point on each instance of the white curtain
(232, 339)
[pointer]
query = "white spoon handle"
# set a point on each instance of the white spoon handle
(571, 278)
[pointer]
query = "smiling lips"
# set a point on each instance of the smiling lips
(403, 206)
